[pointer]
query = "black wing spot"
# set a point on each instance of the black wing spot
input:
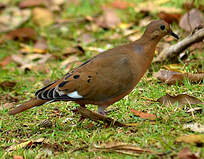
(63, 83)
(76, 76)
(89, 76)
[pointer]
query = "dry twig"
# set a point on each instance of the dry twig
(172, 51)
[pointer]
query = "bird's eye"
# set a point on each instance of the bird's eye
(162, 27)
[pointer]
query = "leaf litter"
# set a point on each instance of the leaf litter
(181, 99)
(171, 77)
(120, 148)
(143, 115)
(186, 153)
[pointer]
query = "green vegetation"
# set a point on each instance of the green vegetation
(63, 137)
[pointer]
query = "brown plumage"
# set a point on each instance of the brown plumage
(107, 77)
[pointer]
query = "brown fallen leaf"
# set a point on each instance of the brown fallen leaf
(29, 49)
(7, 85)
(31, 3)
(109, 19)
(191, 20)
(120, 148)
(143, 115)
(8, 98)
(21, 34)
(86, 38)
(2, 5)
(12, 17)
(41, 44)
(121, 4)
(29, 61)
(17, 157)
(5, 61)
(42, 17)
(182, 99)
(186, 153)
(169, 17)
(171, 77)
(25, 144)
(7, 106)
(196, 127)
(191, 139)
(70, 63)
(73, 50)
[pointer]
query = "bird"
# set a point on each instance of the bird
(105, 78)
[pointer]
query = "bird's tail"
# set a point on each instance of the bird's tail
(27, 105)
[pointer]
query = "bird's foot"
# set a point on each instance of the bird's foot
(101, 110)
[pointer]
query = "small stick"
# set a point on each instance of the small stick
(196, 36)
(96, 117)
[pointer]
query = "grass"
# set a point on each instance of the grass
(62, 137)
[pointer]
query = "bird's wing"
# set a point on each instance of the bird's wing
(97, 79)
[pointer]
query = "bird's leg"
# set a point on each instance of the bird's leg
(82, 118)
(101, 110)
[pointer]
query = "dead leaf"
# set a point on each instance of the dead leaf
(182, 99)
(171, 77)
(41, 44)
(191, 139)
(70, 63)
(196, 127)
(120, 148)
(42, 17)
(7, 106)
(7, 85)
(186, 153)
(29, 49)
(5, 61)
(8, 98)
(30, 60)
(86, 38)
(109, 19)
(174, 67)
(73, 50)
(12, 17)
(169, 17)
(21, 34)
(121, 4)
(2, 5)
(17, 157)
(31, 3)
(191, 20)
(156, 6)
(143, 115)
(25, 144)
(197, 109)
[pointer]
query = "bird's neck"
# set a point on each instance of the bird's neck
(144, 49)
(148, 45)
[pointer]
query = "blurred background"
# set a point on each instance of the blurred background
(41, 40)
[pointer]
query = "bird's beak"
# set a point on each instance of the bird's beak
(173, 34)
